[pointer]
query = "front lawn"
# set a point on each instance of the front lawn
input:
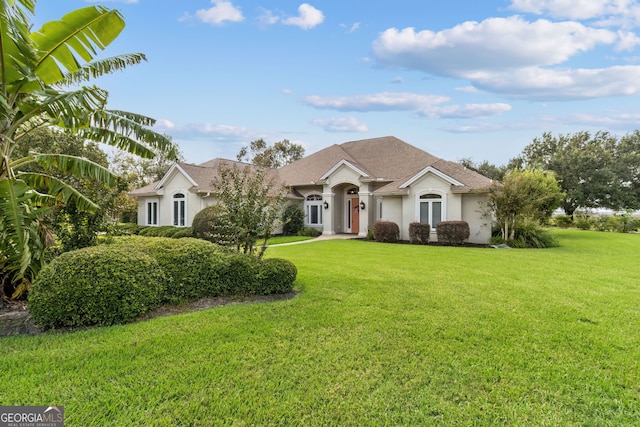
(381, 334)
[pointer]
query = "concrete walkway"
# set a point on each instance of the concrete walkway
(319, 238)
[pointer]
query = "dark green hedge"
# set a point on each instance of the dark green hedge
(453, 232)
(100, 285)
(191, 265)
(117, 282)
(386, 232)
(419, 233)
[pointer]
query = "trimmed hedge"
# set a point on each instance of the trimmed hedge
(275, 276)
(117, 282)
(419, 233)
(386, 232)
(453, 232)
(190, 264)
(100, 285)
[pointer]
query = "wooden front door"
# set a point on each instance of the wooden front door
(355, 215)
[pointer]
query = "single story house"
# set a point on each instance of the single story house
(343, 189)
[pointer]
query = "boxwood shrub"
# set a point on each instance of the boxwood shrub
(419, 233)
(191, 265)
(275, 276)
(386, 232)
(117, 282)
(236, 275)
(100, 285)
(453, 232)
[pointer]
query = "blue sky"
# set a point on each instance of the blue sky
(457, 78)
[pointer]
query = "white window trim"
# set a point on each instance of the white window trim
(307, 210)
(146, 212)
(174, 221)
(443, 200)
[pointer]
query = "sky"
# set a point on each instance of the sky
(457, 78)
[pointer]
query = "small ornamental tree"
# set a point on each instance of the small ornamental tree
(529, 194)
(251, 202)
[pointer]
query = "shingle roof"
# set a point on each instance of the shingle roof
(386, 159)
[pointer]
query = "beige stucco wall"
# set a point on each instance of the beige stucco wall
(474, 212)
(178, 183)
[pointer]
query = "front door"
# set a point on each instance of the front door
(353, 215)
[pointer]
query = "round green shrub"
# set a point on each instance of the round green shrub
(211, 224)
(101, 285)
(191, 265)
(275, 276)
(386, 232)
(419, 233)
(563, 221)
(452, 232)
(236, 275)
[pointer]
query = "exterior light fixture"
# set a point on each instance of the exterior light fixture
(362, 206)
(326, 205)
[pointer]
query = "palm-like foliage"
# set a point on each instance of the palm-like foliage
(42, 81)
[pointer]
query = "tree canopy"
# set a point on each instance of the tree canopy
(279, 154)
(594, 170)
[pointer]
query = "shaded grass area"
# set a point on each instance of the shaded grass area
(380, 335)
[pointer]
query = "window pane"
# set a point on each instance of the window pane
(424, 212)
(154, 213)
(314, 215)
(437, 213)
(181, 212)
(175, 213)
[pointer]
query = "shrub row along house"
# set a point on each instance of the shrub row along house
(344, 188)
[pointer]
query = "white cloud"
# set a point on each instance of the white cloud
(468, 111)
(385, 101)
(205, 130)
(545, 84)
(221, 12)
(397, 80)
(513, 57)
(493, 44)
(341, 124)
(468, 89)
(355, 26)
(573, 9)
(428, 106)
(267, 18)
(308, 17)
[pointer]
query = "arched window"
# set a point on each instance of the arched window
(179, 210)
(313, 209)
(431, 209)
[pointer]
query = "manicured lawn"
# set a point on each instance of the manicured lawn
(380, 335)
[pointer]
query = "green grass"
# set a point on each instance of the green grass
(380, 335)
(278, 240)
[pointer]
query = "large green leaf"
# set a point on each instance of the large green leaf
(71, 165)
(101, 67)
(16, 47)
(73, 40)
(14, 196)
(56, 191)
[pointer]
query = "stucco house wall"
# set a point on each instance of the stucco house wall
(474, 212)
